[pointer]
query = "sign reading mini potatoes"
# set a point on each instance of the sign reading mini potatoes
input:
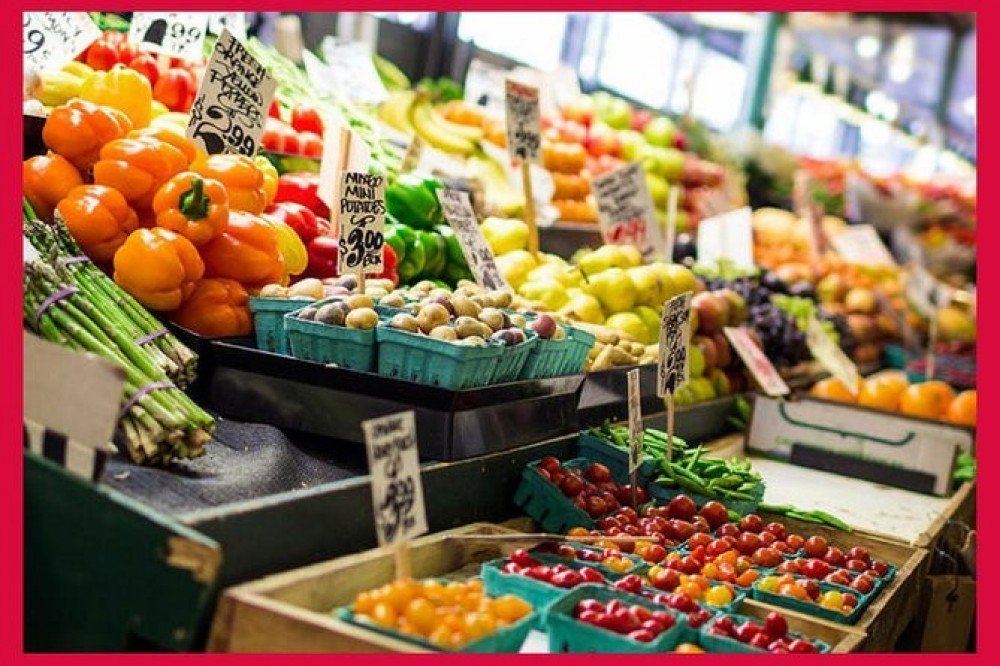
(865, 435)
(394, 466)
(362, 223)
(229, 113)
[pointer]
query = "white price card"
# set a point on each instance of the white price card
(561, 85)
(860, 244)
(458, 211)
(624, 208)
(234, 22)
(484, 86)
(829, 355)
(362, 223)
(757, 363)
(52, 39)
(177, 34)
(352, 73)
(634, 421)
(524, 128)
(675, 336)
(728, 237)
(229, 113)
(394, 466)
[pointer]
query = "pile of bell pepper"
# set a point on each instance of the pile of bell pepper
(184, 232)
(426, 247)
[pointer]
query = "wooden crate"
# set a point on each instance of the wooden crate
(896, 606)
(290, 611)
(840, 637)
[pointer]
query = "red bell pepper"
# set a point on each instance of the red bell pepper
(145, 64)
(306, 119)
(389, 261)
(323, 253)
(176, 88)
(302, 188)
(110, 49)
(302, 220)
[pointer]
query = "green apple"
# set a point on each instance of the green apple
(659, 190)
(702, 388)
(618, 114)
(720, 380)
(632, 144)
(646, 281)
(670, 163)
(660, 131)
(651, 318)
(683, 395)
(696, 361)
(614, 289)
(631, 324)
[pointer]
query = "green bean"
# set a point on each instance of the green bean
(804, 516)
(833, 521)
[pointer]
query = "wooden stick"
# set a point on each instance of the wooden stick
(529, 208)
(668, 251)
(361, 280)
(342, 157)
(670, 427)
(402, 553)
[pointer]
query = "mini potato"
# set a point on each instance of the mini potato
(363, 318)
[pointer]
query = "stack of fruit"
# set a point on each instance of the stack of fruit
(592, 490)
(715, 369)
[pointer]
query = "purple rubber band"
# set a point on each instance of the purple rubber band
(158, 333)
(74, 260)
(52, 300)
(141, 393)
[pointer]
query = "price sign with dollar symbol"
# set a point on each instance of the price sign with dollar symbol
(524, 129)
(177, 34)
(229, 112)
(675, 336)
(51, 39)
(362, 223)
(394, 466)
(625, 209)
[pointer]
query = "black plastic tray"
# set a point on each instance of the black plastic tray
(244, 383)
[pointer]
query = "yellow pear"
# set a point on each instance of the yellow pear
(515, 266)
(681, 278)
(583, 307)
(647, 283)
(603, 258)
(549, 292)
(613, 289)
(568, 276)
(632, 324)
(651, 318)
(505, 235)
(631, 255)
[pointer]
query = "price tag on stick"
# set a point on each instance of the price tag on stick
(671, 234)
(397, 489)
(524, 143)
(753, 358)
(176, 34)
(462, 218)
(624, 207)
(229, 112)
(833, 359)
(52, 39)
(362, 224)
(673, 369)
(634, 430)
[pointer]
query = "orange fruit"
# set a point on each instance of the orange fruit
(688, 648)
(880, 393)
(962, 409)
(832, 388)
(929, 399)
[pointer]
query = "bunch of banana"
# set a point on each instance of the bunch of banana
(441, 133)
(395, 112)
(502, 198)
(61, 86)
(392, 77)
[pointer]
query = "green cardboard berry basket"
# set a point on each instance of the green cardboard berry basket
(567, 634)
(728, 645)
(507, 639)
(269, 321)
(328, 344)
(553, 358)
(662, 494)
(615, 458)
(639, 565)
(511, 362)
(536, 592)
(425, 360)
(546, 504)
(689, 634)
(813, 608)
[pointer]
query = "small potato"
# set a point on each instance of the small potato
(467, 327)
(380, 283)
(309, 314)
(446, 333)
(493, 318)
(309, 287)
(393, 300)
(431, 316)
(472, 341)
(560, 333)
(332, 313)
(464, 307)
(502, 299)
(517, 319)
(375, 292)
(469, 285)
(405, 322)
(426, 286)
(362, 318)
(349, 282)
(273, 291)
(357, 301)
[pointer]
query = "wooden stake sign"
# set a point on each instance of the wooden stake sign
(625, 209)
(833, 359)
(362, 225)
(397, 489)
(634, 431)
(229, 113)
(673, 368)
(462, 218)
(524, 144)
(757, 363)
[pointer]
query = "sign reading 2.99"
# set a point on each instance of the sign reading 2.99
(362, 223)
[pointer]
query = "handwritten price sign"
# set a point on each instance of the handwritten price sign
(759, 365)
(362, 223)
(229, 113)
(675, 336)
(624, 207)
(462, 218)
(397, 490)
(829, 355)
(51, 39)
(524, 129)
(177, 34)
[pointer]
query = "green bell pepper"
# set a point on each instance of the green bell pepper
(414, 256)
(412, 201)
(455, 272)
(435, 253)
(395, 241)
(455, 254)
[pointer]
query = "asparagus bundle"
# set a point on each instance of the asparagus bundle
(159, 422)
(56, 245)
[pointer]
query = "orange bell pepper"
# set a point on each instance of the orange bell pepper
(138, 168)
(78, 130)
(99, 218)
(47, 179)
(243, 179)
(195, 207)
(217, 308)
(247, 252)
(158, 267)
(174, 138)
(122, 88)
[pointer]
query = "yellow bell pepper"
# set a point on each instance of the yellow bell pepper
(124, 89)
(293, 250)
(270, 177)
